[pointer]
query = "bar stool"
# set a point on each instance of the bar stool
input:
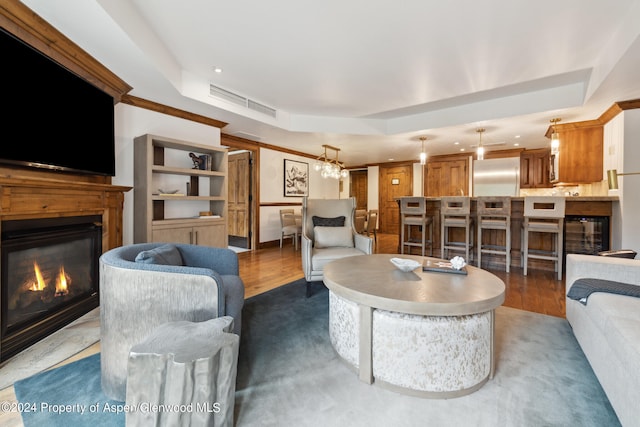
(455, 212)
(494, 213)
(413, 212)
(543, 215)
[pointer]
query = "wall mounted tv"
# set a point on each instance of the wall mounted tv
(52, 118)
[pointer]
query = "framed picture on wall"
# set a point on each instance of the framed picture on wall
(296, 178)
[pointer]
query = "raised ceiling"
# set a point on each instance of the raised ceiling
(368, 77)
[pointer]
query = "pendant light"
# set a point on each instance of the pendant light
(555, 137)
(480, 151)
(423, 154)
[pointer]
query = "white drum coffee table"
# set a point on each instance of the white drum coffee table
(428, 334)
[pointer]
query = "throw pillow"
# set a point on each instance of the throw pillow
(166, 254)
(332, 237)
(328, 222)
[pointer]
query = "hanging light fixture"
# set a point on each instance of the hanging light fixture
(328, 167)
(423, 154)
(555, 137)
(480, 151)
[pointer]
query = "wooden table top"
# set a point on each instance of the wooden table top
(372, 280)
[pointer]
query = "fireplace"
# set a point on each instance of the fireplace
(49, 276)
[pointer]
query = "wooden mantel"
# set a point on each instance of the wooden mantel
(33, 194)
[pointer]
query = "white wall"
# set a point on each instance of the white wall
(417, 179)
(272, 190)
(622, 152)
(629, 193)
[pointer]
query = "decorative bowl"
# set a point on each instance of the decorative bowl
(405, 265)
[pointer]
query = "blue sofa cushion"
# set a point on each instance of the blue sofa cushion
(166, 255)
(328, 222)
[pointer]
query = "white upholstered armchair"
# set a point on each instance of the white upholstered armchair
(328, 233)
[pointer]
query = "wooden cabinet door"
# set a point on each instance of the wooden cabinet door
(580, 159)
(173, 235)
(204, 235)
(534, 169)
(447, 178)
(210, 235)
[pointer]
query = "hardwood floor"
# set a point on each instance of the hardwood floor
(266, 269)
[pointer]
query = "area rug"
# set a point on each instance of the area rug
(288, 374)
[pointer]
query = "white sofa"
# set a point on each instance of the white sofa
(608, 330)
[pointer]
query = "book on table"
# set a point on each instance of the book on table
(441, 266)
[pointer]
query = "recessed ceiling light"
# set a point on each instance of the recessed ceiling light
(462, 149)
(217, 70)
(391, 160)
(517, 136)
(516, 144)
(456, 143)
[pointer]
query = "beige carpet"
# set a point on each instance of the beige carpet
(62, 344)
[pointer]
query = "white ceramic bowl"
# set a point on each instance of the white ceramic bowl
(405, 264)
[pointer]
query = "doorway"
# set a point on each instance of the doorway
(243, 191)
(360, 188)
(239, 199)
(394, 182)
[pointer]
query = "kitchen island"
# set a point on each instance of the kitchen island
(576, 206)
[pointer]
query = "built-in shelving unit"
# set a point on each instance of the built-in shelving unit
(168, 208)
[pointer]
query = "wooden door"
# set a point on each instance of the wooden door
(239, 207)
(359, 188)
(394, 182)
(447, 178)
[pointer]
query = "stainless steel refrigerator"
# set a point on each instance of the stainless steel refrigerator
(496, 177)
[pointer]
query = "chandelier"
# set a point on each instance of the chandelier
(328, 167)
(555, 137)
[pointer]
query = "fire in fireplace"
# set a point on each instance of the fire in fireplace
(49, 277)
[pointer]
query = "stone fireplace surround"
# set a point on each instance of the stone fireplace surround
(34, 194)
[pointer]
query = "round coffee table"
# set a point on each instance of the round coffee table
(429, 334)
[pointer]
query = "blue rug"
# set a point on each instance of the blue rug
(289, 375)
(68, 396)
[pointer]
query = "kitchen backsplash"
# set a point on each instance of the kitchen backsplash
(594, 189)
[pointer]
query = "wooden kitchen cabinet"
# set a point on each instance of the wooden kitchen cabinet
(580, 158)
(534, 168)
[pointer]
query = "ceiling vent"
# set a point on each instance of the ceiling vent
(256, 106)
(489, 144)
(218, 92)
(227, 95)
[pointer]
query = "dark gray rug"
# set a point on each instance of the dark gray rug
(289, 375)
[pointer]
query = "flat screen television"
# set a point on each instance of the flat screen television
(52, 118)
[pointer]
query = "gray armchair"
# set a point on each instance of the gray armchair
(143, 286)
(329, 238)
